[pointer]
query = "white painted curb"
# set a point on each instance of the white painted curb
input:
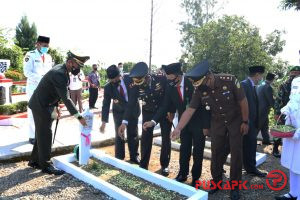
(63, 162)
(260, 157)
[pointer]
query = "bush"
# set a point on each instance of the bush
(16, 76)
(14, 108)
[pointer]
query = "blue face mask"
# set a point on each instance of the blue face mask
(44, 50)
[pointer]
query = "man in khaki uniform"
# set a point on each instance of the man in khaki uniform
(223, 95)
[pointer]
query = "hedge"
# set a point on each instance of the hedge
(14, 108)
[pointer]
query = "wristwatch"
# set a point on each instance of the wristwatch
(79, 117)
(245, 122)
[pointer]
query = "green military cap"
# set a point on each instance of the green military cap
(295, 69)
(80, 60)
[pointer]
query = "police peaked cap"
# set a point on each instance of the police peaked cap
(80, 60)
(43, 39)
(174, 68)
(112, 71)
(199, 70)
(140, 69)
(257, 69)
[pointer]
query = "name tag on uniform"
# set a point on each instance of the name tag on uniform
(226, 92)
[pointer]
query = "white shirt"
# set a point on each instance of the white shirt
(35, 67)
(124, 89)
(76, 81)
(182, 87)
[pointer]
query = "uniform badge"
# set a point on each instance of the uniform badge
(204, 93)
(207, 107)
(116, 101)
(224, 87)
(143, 103)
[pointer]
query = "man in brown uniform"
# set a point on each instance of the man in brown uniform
(223, 95)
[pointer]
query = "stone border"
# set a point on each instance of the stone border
(63, 162)
(260, 157)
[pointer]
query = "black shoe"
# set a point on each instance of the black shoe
(276, 154)
(286, 198)
(34, 165)
(193, 183)
(234, 194)
(266, 143)
(180, 178)
(31, 141)
(258, 173)
(164, 171)
(52, 170)
(135, 160)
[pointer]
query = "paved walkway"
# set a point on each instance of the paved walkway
(14, 139)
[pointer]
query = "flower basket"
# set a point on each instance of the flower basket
(282, 131)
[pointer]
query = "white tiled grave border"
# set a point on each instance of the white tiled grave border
(260, 157)
(64, 163)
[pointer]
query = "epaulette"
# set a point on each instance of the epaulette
(225, 77)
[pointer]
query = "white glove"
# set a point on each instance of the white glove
(297, 135)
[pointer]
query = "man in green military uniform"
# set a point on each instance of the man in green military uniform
(223, 96)
(280, 101)
(44, 101)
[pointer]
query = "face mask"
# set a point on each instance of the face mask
(44, 50)
(174, 82)
(117, 83)
(75, 71)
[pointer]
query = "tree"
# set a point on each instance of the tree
(11, 52)
(127, 66)
(56, 56)
(231, 44)
(289, 4)
(26, 34)
(199, 12)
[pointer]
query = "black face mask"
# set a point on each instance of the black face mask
(75, 71)
(117, 83)
(173, 82)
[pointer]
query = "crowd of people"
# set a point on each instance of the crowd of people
(230, 112)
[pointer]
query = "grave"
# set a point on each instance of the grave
(65, 163)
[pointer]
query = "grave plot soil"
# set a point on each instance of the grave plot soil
(18, 181)
(271, 163)
(130, 183)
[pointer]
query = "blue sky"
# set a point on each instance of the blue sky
(118, 30)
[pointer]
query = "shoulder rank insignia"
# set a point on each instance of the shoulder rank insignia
(224, 87)
(207, 107)
(237, 83)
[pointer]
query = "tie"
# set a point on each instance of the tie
(43, 58)
(179, 92)
(257, 107)
(122, 91)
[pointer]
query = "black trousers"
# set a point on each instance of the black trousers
(191, 139)
(41, 152)
(249, 149)
(93, 96)
(147, 139)
(132, 137)
(265, 130)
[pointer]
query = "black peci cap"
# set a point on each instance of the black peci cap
(112, 71)
(174, 68)
(43, 39)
